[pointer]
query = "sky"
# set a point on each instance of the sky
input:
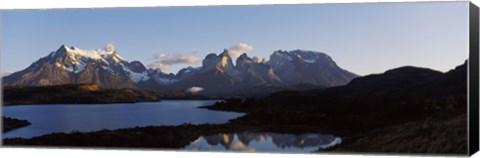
(363, 38)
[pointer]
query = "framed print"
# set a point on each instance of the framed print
(358, 78)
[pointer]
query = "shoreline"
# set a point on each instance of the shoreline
(113, 103)
(10, 124)
(179, 136)
(88, 94)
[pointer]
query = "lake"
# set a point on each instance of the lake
(264, 142)
(47, 119)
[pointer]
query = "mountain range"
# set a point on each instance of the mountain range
(217, 75)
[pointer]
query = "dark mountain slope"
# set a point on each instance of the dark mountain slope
(406, 81)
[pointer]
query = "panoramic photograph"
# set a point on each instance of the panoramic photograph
(308, 78)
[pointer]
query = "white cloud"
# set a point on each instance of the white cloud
(176, 59)
(162, 61)
(239, 49)
(158, 66)
(195, 89)
(109, 47)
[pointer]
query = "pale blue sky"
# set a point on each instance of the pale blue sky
(362, 38)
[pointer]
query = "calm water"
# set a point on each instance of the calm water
(264, 142)
(47, 119)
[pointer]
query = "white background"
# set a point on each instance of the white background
(74, 153)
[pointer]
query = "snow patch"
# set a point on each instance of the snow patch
(84, 53)
(308, 57)
(137, 77)
(71, 68)
(100, 54)
(311, 61)
(166, 81)
(117, 58)
(80, 68)
(288, 57)
(68, 68)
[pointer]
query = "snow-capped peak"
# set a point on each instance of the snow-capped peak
(75, 60)
(103, 54)
(79, 58)
(74, 51)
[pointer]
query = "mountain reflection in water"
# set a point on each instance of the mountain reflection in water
(264, 142)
